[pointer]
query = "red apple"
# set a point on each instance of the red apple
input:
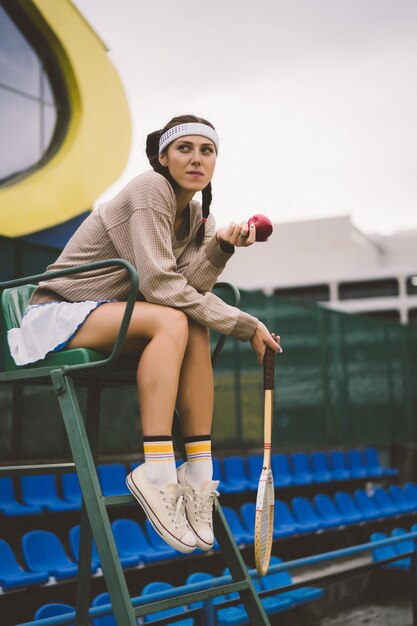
(263, 226)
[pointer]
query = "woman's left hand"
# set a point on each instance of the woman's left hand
(239, 235)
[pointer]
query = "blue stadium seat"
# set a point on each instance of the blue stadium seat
(217, 470)
(348, 507)
(235, 479)
(255, 462)
(44, 551)
(241, 535)
(42, 491)
(105, 620)
(155, 587)
(272, 604)
(328, 511)
(385, 503)
(406, 546)
(74, 542)
(53, 610)
(131, 541)
(281, 470)
(12, 575)
(374, 465)
(355, 464)
(285, 524)
(410, 489)
(9, 505)
(302, 474)
(299, 596)
(305, 514)
(338, 465)
(199, 577)
(71, 489)
(367, 505)
(112, 478)
(320, 467)
(387, 552)
(401, 498)
(158, 544)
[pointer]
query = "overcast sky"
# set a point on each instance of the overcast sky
(315, 101)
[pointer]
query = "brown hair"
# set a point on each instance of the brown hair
(152, 152)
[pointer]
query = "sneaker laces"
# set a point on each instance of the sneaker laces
(203, 504)
(176, 504)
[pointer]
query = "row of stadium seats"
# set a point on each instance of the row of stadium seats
(45, 556)
(399, 549)
(236, 474)
(225, 616)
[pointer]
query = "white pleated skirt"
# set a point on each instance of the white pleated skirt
(47, 328)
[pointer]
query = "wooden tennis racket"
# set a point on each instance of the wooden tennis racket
(264, 519)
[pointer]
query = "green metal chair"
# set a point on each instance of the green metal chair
(92, 370)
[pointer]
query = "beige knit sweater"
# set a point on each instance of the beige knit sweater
(138, 225)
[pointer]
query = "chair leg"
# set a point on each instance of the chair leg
(238, 570)
(92, 424)
(93, 498)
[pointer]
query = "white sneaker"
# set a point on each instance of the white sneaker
(165, 509)
(199, 508)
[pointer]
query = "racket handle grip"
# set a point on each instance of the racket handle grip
(269, 368)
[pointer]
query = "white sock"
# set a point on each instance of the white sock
(160, 466)
(200, 465)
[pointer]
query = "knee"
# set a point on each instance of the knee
(175, 322)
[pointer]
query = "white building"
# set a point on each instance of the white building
(332, 262)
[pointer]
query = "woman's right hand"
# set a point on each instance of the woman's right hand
(262, 338)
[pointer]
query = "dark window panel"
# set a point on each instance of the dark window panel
(412, 317)
(412, 285)
(388, 315)
(368, 289)
(308, 293)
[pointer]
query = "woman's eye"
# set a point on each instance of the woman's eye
(208, 150)
(183, 148)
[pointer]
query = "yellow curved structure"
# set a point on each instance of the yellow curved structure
(97, 143)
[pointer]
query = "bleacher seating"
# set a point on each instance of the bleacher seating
(8, 502)
(385, 503)
(328, 511)
(374, 466)
(281, 470)
(54, 609)
(112, 477)
(299, 596)
(131, 541)
(235, 478)
(355, 463)
(74, 542)
(155, 587)
(71, 489)
(12, 574)
(338, 465)
(387, 552)
(302, 474)
(367, 505)
(158, 544)
(348, 507)
(305, 514)
(105, 620)
(44, 551)
(239, 532)
(400, 497)
(41, 490)
(320, 467)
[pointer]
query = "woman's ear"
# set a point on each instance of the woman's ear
(163, 160)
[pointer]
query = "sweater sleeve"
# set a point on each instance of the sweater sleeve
(202, 265)
(160, 282)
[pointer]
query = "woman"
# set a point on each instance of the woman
(155, 223)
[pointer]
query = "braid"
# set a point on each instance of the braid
(207, 198)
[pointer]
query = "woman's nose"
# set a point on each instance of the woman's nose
(195, 156)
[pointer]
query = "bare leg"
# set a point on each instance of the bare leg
(196, 388)
(158, 335)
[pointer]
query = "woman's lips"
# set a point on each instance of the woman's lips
(195, 173)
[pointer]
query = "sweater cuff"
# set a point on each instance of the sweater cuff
(215, 254)
(245, 326)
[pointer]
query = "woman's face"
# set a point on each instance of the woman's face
(191, 161)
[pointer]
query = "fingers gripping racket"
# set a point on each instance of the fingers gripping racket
(264, 519)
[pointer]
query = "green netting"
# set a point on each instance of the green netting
(343, 379)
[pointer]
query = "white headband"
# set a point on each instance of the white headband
(188, 129)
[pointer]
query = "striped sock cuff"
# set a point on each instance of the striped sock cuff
(198, 448)
(158, 449)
